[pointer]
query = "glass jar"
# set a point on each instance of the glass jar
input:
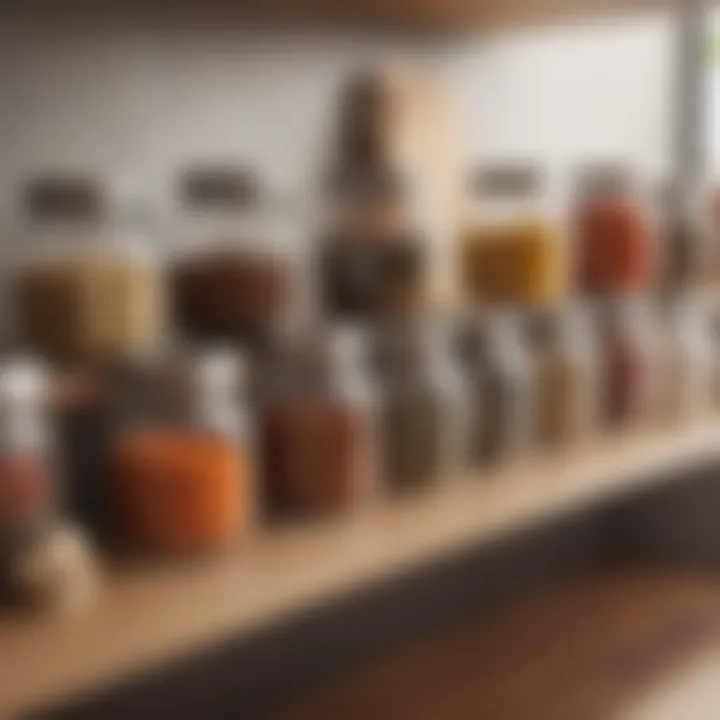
(318, 430)
(566, 375)
(500, 375)
(686, 227)
(689, 357)
(424, 406)
(511, 251)
(231, 274)
(372, 260)
(615, 232)
(182, 466)
(28, 483)
(631, 365)
(88, 287)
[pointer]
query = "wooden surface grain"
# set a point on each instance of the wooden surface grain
(611, 643)
(148, 615)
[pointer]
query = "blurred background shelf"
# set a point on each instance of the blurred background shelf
(425, 16)
(153, 614)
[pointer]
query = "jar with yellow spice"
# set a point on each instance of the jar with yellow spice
(87, 284)
(511, 251)
(182, 465)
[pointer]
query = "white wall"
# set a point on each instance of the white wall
(135, 102)
(568, 95)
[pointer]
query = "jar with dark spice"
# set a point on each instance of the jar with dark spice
(231, 274)
(512, 251)
(566, 374)
(372, 259)
(182, 467)
(631, 363)
(502, 389)
(424, 407)
(616, 233)
(318, 432)
(88, 287)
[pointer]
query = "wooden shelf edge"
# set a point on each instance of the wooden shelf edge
(150, 615)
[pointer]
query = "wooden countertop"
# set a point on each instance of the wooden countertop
(151, 614)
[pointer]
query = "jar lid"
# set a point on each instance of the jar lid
(604, 178)
(507, 180)
(219, 187)
(62, 197)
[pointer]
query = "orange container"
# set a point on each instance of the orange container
(180, 491)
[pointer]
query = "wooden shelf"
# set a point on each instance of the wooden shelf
(146, 616)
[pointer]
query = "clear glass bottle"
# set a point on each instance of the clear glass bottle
(566, 375)
(88, 286)
(372, 257)
(182, 465)
(318, 426)
(28, 483)
(512, 250)
(232, 270)
(424, 406)
(500, 374)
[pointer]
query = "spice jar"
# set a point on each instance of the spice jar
(28, 485)
(502, 390)
(685, 230)
(564, 357)
(511, 251)
(318, 426)
(231, 273)
(631, 364)
(182, 468)
(615, 234)
(689, 361)
(424, 411)
(372, 260)
(88, 288)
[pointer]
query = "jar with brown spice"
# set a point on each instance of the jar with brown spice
(317, 426)
(231, 272)
(565, 368)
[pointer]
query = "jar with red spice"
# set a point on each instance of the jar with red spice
(182, 467)
(231, 274)
(631, 364)
(615, 233)
(317, 427)
(28, 489)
